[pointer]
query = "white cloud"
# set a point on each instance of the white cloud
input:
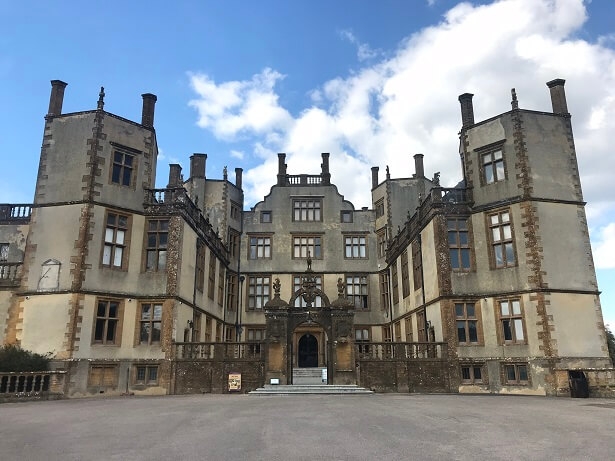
(237, 154)
(390, 109)
(364, 51)
(604, 247)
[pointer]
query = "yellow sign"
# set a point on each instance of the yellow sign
(234, 381)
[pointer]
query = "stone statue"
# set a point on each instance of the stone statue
(340, 287)
(276, 286)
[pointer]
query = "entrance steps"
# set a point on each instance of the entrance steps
(297, 389)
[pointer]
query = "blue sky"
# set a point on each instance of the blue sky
(371, 82)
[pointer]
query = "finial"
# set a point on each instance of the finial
(436, 179)
(225, 173)
(514, 102)
(101, 98)
(388, 173)
(276, 287)
(309, 262)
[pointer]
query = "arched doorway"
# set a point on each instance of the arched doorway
(307, 356)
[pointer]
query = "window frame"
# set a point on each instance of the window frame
(251, 339)
(200, 265)
(232, 292)
(361, 244)
(120, 166)
(395, 282)
(381, 242)
(118, 319)
(147, 379)
(307, 246)
(466, 318)
(503, 241)
(472, 379)
(157, 249)
(417, 264)
(409, 329)
(511, 317)
(313, 210)
(266, 217)
(103, 366)
(405, 276)
(362, 335)
(266, 246)
(379, 208)
(211, 275)
(363, 298)
(235, 212)
(346, 217)
(254, 298)
(457, 248)
(151, 321)
(517, 381)
(115, 228)
(233, 243)
(385, 295)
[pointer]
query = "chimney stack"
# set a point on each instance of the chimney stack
(558, 96)
(281, 169)
(175, 175)
(326, 176)
(197, 165)
(57, 97)
(418, 166)
(467, 110)
(375, 170)
(238, 177)
(147, 115)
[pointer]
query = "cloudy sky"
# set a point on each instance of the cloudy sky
(370, 82)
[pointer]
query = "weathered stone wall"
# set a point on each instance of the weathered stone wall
(199, 376)
(405, 376)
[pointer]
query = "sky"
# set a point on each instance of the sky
(373, 83)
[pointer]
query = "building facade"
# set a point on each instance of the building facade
(485, 287)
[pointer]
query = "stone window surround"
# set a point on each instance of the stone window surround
(503, 241)
(487, 150)
(113, 244)
(262, 291)
(510, 317)
(118, 321)
(309, 247)
(266, 245)
(465, 318)
(124, 151)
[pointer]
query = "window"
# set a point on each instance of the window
(493, 166)
(221, 285)
(417, 264)
(255, 336)
(386, 334)
(229, 334)
(106, 323)
(103, 375)
(385, 299)
(420, 326)
(211, 275)
(379, 205)
(4, 251)
(207, 329)
(471, 374)
(218, 331)
(307, 210)
(116, 235)
(355, 247)
(467, 323)
(381, 241)
(408, 325)
(405, 278)
(233, 243)
(361, 335)
(196, 327)
(156, 248)
(265, 216)
(146, 374)
(260, 247)
(122, 168)
(516, 373)
(231, 292)
(356, 290)
(150, 323)
(307, 245)
(235, 211)
(259, 288)
(511, 320)
(458, 243)
(298, 282)
(200, 266)
(346, 216)
(397, 329)
(395, 282)
(502, 239)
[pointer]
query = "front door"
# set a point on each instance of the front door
(307, 351)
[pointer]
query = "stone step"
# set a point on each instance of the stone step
(307, 371)
(348, 389)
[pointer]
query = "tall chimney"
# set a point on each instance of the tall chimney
(326, 176)
(147, 115)
(418, 166)
(197, 165)
(281, 169)
(238, 177)
(375, 170)
(175, 175)
(558, 96)
(467, 110)
(57, 97)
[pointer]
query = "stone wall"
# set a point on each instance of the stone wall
(206, 376)
(405, 375)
